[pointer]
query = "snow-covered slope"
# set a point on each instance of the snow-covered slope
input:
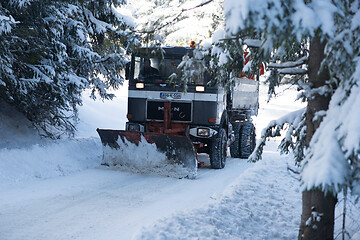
(25, 156)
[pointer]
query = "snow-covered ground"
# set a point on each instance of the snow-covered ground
(59, 190)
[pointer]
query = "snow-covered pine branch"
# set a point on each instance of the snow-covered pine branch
(293, 71)
(253, 43)
(176, 18)
(172, 22)
(289, 64)
(306, 19)
(294, 124)
(192, 68)
(290, 67)
(6, 23)
(335, 148)
(328, 32)
(55, 50)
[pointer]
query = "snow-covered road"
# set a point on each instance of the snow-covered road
(58, 190)
(104, 203)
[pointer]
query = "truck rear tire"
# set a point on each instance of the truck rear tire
(235, 146)
(247, 139)
(218, 150)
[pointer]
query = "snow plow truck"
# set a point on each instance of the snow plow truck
(167, 127)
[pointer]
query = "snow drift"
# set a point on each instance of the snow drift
(49, 160)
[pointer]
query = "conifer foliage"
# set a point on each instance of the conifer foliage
(319, 38)
(285, 36)
(176, 23)
(52, 50)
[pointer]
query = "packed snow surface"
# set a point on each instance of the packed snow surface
(257, 205)
(59, 190)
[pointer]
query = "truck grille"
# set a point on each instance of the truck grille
(180, 111)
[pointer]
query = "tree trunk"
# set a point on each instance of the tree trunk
(317, 218)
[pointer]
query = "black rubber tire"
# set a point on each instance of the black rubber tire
(218, 150)
(247, 139)
(235, 146)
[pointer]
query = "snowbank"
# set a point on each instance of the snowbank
(48, 160)
(25, 156)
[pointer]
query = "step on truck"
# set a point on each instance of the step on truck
(179, 124)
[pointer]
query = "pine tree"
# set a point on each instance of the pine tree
(319, 38)
(57, 49)
(7, 23)
(177, 23)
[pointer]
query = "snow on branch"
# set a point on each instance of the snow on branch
(309, 92)
(290, 64)
(258, 15)
(290, 67)
(294, 123)
(255, 43)
(176, 18)
(5, 24)
(20, 3)
(100, 26)
(123, 16)
(39, 75)
(57, 50)
(332, 160)
(293, 71)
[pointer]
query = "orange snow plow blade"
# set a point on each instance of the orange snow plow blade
(147, 152)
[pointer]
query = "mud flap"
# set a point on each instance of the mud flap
(147, 152)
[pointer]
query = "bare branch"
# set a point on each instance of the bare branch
(233, 38)
(293, 170)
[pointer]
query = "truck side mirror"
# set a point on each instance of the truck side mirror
(127, 71)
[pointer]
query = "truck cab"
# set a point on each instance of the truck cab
(202, 110)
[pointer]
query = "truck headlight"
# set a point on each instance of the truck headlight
(139, 85)
(200, 88)
(204, 132)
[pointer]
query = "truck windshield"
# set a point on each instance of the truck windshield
(154, 70)
(158, 70)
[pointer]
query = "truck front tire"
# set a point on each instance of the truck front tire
(218, 150)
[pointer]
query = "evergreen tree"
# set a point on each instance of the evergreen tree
(177, 23)
(325, 137)
(53, 50)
